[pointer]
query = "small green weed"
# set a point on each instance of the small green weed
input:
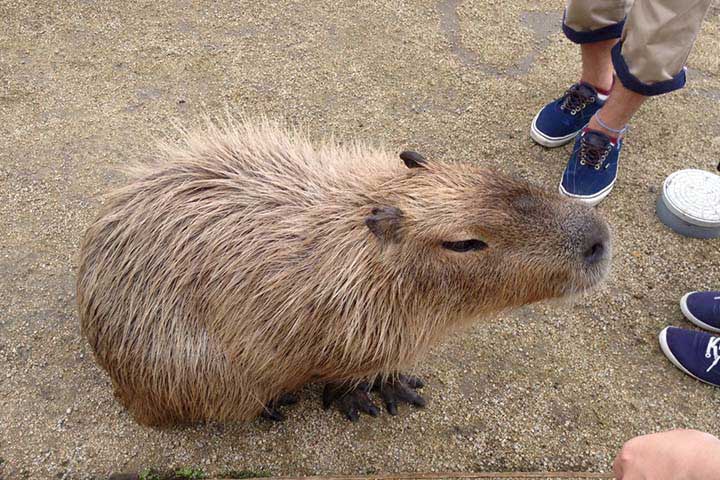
(189, 473)
(150, 474)
(245, 474)
(183, 473)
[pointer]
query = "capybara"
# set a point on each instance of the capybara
(244, 262)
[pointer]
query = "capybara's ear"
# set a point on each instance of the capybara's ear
(385, 223)
(413, 159)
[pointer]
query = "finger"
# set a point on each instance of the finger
(368, 405)
(413, 381)
(411, 396)
(391, 406)
(369, 408)
(417, 400)
(365, 404)
(617, 469)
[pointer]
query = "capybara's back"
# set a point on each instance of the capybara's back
(245, 263)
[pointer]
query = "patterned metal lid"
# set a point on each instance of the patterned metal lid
(693, 196)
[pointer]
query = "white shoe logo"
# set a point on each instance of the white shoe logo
(712, 350)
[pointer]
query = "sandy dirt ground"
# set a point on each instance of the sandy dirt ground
(85, 86)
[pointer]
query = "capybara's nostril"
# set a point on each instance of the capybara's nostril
(595, 245)
(595, 253)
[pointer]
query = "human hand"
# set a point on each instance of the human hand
(673, 455)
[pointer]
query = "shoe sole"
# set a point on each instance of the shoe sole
(590, 200)
(550, 142)
(668, 353)
(692, 318)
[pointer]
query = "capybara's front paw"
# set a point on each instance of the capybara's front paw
(350, 400)
(400, 389)
(271, 411)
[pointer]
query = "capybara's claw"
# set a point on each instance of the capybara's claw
(350, 400)
(400, 389)
(271, 412)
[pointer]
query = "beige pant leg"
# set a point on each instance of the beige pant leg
(589, 15)
(659, 35)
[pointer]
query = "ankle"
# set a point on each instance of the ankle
(609, 128)
(602, 85)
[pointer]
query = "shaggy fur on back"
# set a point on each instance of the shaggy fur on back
(240, 265)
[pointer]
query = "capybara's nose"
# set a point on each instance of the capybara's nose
(597, 243)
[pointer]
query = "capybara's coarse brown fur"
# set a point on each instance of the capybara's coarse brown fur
(245, 262)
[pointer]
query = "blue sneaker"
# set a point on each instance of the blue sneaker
(559, 121)
(702, 309)
(695, 353)
(592, 169)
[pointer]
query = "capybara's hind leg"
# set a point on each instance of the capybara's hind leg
(143, 409)
(271, 411)
(400, 388)
(350, 400)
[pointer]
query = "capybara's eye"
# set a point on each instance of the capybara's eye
(465, 245)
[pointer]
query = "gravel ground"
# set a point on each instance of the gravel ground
(85, 87)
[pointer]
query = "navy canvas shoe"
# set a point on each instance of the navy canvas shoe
(592, 169)
(695, 353)
(702, 309)
(561, 120)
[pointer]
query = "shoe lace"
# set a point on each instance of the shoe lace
(575, 99)
(594, 155)
(713, 351)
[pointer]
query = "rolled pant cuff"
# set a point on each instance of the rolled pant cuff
(604, 33)
(631, 82)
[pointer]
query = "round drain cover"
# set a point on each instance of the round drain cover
(690, 203)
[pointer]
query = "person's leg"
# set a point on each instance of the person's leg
(648, 60)
(595, 25)
(597, 69)
(591, 21)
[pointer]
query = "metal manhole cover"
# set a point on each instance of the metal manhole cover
(690, 203)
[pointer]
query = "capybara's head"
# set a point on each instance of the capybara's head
(487, 240)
